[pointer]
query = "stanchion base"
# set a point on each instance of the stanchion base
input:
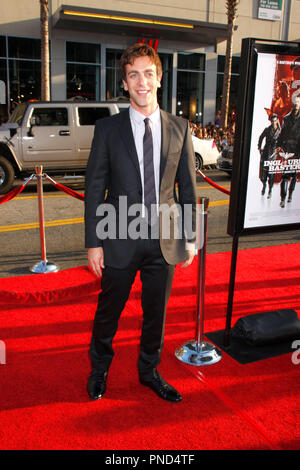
(44, 267)
(198, 354)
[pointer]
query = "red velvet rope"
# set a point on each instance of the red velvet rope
(215, 185)
(14, 192)
(69, 191)
(11, 194)
(65, 189)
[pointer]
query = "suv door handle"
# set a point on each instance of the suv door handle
(64, 132)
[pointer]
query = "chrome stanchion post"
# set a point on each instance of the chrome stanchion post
(43, 266)
(199, 352)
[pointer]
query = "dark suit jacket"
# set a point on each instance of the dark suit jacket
(113, 171)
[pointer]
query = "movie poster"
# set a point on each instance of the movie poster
(273, 188)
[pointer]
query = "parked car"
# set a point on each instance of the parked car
(58, 136)
(224, 162)
(206, 152)
(122, 102)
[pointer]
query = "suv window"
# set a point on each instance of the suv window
(87, 116)
(51, 116)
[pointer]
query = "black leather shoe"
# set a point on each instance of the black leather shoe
(96, 386)
(162, 388)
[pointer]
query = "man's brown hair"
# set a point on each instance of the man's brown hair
(139, 50)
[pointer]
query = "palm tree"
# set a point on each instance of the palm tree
(231, 6)
(45, 81)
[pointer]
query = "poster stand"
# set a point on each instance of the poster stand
(268, 69)
(234, 254)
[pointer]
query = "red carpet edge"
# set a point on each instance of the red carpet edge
(87, 284)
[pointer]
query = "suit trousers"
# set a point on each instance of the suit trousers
(156, 278)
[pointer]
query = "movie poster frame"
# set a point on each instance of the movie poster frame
(243, 133)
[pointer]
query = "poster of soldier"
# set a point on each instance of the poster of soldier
(273, 187)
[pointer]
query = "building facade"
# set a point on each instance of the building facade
(87, 38)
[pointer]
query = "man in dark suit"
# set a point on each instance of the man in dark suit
(137, 157)
(270, 135)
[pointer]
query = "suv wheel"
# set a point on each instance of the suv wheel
(199, 162)
(7, 175)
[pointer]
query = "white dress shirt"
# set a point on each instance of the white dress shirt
(138, 129)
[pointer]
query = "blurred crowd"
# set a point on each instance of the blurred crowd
(223, 138)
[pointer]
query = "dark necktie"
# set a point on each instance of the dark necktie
(149, 181)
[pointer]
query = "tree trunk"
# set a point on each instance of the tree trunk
(45, 75)
(227, 78)
(231, 6)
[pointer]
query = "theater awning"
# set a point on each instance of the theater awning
(129, 24)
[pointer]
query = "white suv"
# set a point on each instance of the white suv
(57, 135)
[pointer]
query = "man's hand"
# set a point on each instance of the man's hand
(191, 254)
(96, 260)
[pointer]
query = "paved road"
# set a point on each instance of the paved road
(20, 239)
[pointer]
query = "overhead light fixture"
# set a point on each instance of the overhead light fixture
(125, 18)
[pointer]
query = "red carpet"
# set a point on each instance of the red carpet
(44, 404)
